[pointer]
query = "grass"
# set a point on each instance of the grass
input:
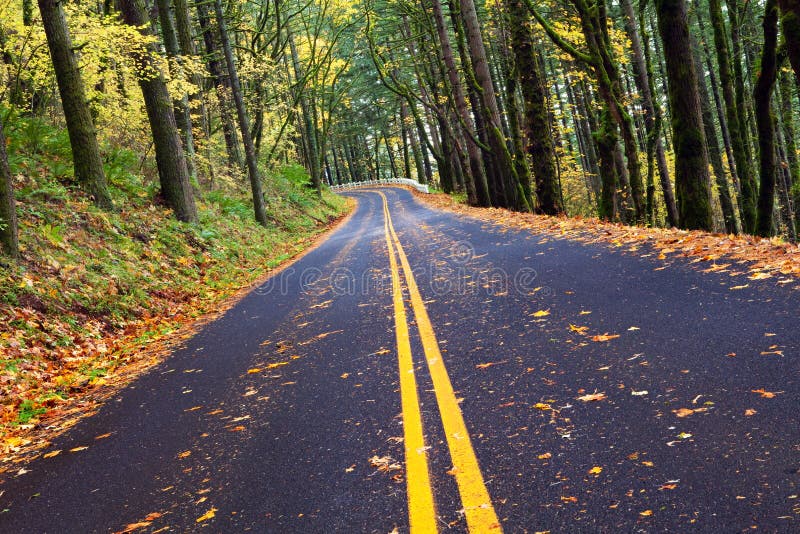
(94, 287)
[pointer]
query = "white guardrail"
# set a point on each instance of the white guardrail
(387, 181)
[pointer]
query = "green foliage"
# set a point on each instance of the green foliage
(27, 411)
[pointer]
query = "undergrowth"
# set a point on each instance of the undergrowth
(94, 287)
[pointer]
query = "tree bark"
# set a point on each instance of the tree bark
(172, 172)
(244, 126)
(762, 96)
(8, 210)
(475, 179)
(215, 69)
(691, 160)
(540, 148)
(790, 29)
(86, 159)
(183, 117)
(737, 130)
(513, 195)
(652, 119)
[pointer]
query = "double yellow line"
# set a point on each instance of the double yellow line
(475, 499)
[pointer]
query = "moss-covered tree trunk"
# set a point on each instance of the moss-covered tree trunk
(474, 175)
(513, 195)
(790, 139)
(737, 130)
(183, 117)
(790, 29)
(642, 74)
(172, 171)
(241, 113)
(714, 151)
(86, 157)
(215, 69)
(762, 96)
(8, 209)
(691, 160)
(540, 148)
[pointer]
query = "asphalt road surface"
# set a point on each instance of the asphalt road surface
(424, 371)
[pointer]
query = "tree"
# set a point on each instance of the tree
(540, 147)
(790, 28)
(508, 191)
(762, 96)
(691, 159)
(86, 157)
(172, 171)
(244, 126)
(8, 210)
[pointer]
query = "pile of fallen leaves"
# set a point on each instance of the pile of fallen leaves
(760, 258)
(98, 298)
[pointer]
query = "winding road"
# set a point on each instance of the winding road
(425, 371)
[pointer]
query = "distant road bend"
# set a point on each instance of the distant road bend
(421, 371)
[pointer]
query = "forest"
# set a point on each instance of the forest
(663, 113)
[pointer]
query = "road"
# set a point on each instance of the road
(422, 370)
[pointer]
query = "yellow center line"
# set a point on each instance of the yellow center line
(478, 508)
(421, 512)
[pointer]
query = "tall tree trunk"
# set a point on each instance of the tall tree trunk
(790, 29)
(718, 105)
(86, 159)
(183, 117)
(172, 172)
(215, 69)
(744, 169)
(241, 112)
(762, 96)
(514, 196)
(309, 129)
(475, 179)
(691, 160)
(790, 140)
(9, 241)
(714, 152)
(540, 148)
(643, 74)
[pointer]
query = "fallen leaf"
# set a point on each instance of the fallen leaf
(344, 375)
(277, 364)
(683, 412)
(253, 371)
(639, 393)
(739, 287)
(604, 337)
(569, 499)
(592, 397)
(646, 513)
(542, 406)
(541, 313)
(103, 436)
(579, 329)
(184, 454)
(667, 486)
(765, 394)
(78, 449)
(648, 463)
(489, 364)
(633, 329)
(545, 456)
(684, 435)
(237, 428)
(53, 453)
(596, 470)
(750, 412)
(206, 516)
